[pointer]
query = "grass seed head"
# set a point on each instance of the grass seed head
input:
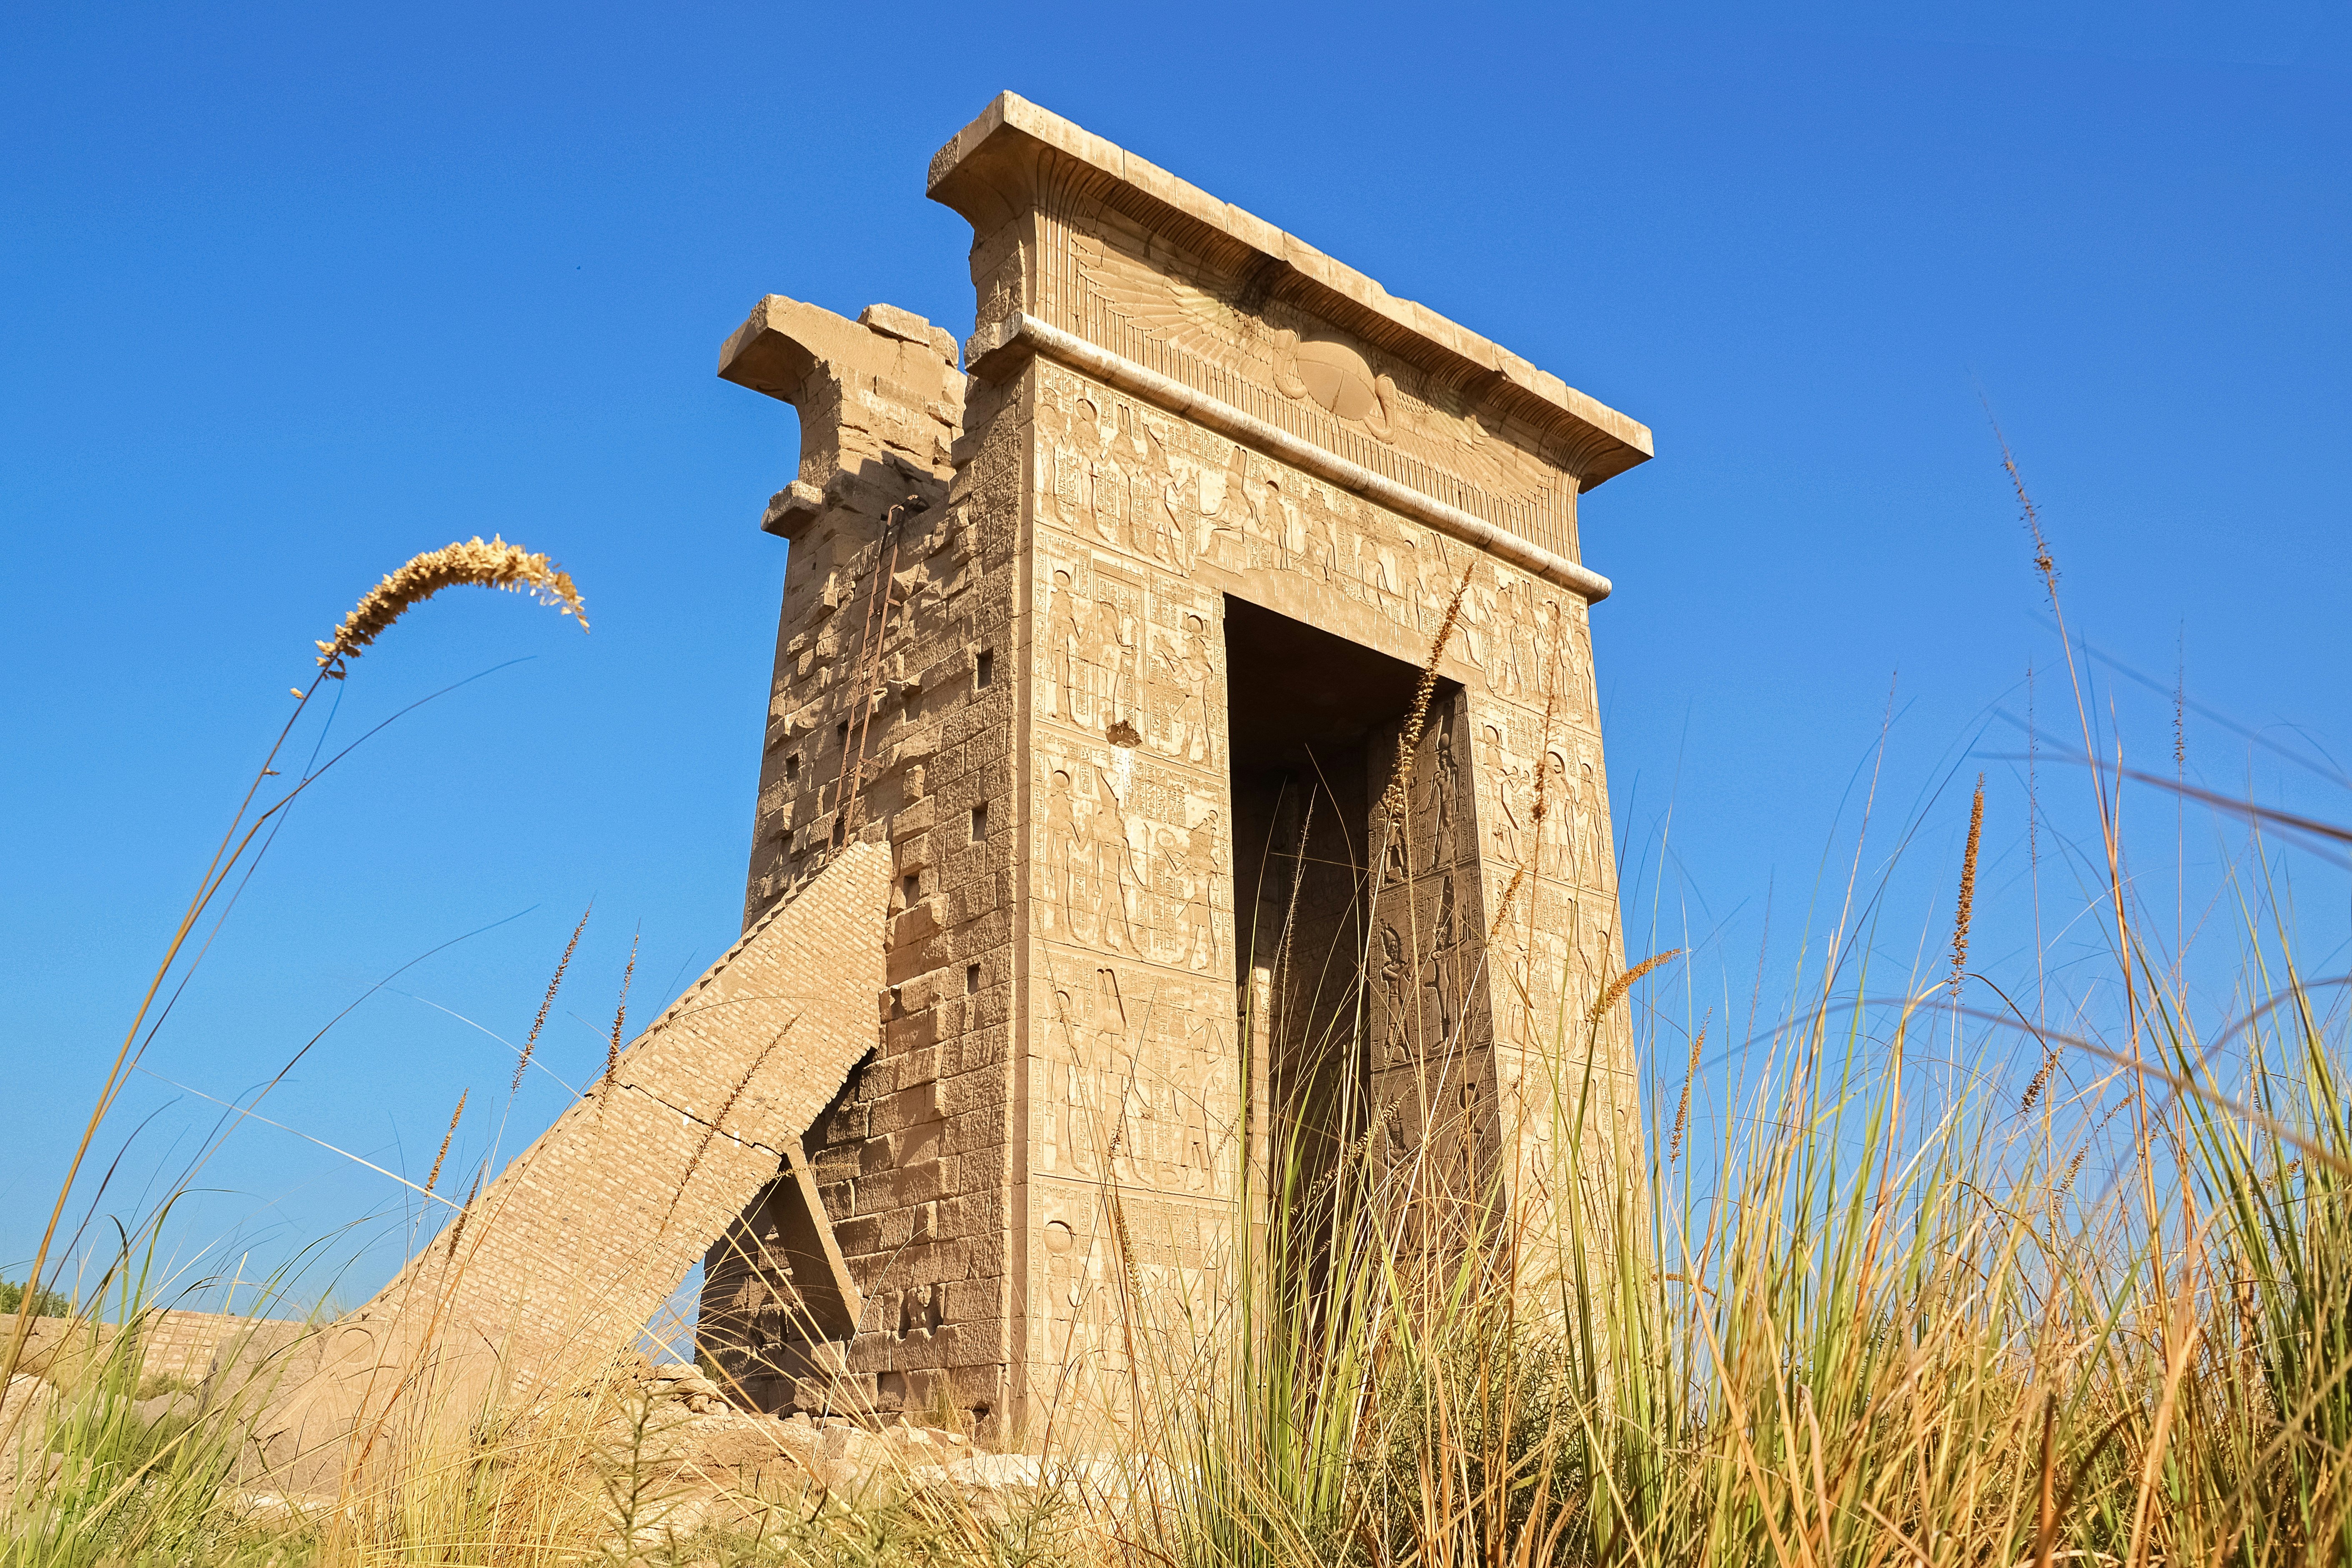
(443, 1154)
(522, 1064)
(620, 1021)
(1681, 1110)
(1624, 982)
(1968, 903)
(496, 564)
(1392, 801)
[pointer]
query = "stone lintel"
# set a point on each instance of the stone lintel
(997, 167)
(996, 351)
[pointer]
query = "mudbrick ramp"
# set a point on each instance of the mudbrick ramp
(557, 1262)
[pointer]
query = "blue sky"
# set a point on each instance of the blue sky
(292, 293)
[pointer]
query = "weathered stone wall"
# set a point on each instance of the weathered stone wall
(1142, 525)
(171, 1342)
(892, 721)
(970, 1112)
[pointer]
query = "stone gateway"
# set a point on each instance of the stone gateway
(1121, 853)
(1109, 637)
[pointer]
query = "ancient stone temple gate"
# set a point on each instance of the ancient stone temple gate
(1108, 639)
(1103, 878)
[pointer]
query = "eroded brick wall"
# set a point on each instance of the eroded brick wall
(892, 721)
(553, 1268)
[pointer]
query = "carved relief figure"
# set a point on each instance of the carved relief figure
(1110, 857)
(1556, 854)
(1498, 767)
(1438, 975)
(1192, 853)
(1069, 622)
(1396, 1049)
(1223, 503)
(1064, 850)
(1113, 652)
(1445, 798)
(1109, 495)
(1191, 733)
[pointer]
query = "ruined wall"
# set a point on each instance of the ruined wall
(891, 721)
(555, 1265)
(968, 1112)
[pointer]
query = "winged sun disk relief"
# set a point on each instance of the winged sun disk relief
(1210, 325)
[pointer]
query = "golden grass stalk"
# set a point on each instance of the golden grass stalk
(1392, 800)
(458, 1227)
(496, 564)
(531, 1041)
(2031, 516)
(443, 1154)
(1682, 1108)
(1543, 777)
(1967, 905)
(717, 1122)
(620, 1021)
(1624, 982)
(2040, 1081)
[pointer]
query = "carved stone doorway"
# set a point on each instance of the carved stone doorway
(1313, 722)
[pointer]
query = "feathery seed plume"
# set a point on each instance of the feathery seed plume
(496, 564)
(717, 1122)
(1624, 982)
(1968, 890)
(457, 1230)
(1682, 1111)
(531, 1042)
(2180, 701)
(1543, 776)
(2043, 561)
(620, 1018)
(2041, 1081)
(445, 1139)
(1392, 801)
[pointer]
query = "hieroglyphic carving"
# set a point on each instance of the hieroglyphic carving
(1129, 859)
(1128, 524)
(1238, 511)
(1432, 1081)
(1354, 398)
(1137, 1085)
(1211, 500)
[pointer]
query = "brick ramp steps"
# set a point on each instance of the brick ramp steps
(553, 1268)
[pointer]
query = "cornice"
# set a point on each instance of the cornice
(1000, 165)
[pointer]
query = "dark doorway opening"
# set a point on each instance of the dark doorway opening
(1307, 711)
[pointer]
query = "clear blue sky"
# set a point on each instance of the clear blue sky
(290, 293)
